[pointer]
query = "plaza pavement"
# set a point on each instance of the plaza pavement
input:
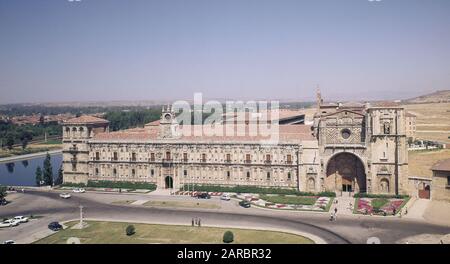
(347, 229)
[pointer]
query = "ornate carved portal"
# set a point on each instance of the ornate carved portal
(345, 172)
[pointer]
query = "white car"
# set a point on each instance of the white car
(21, 219)
(225, 197)
(9, 242)
(11, 222)
(79, 190)
(65, 195)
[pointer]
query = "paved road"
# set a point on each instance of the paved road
(347, 229)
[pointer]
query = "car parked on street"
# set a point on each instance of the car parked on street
(21, 219)
(55, 226)
(65, 195)
(225, 197)
(9, 242)
(79, 190)
(245, 204)
(204, 195)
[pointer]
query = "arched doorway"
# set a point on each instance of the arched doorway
(345, 172)
(169, 182)
(424, 191)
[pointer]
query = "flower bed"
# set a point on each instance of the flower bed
(383, 207)
(320, 204)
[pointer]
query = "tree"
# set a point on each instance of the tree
(228, 237)
(9, 142)
(2, 192)
(59, 180)
(24, 143)
(48, 171)
(38, 176)
(130, 230)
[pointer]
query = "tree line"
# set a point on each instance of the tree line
(44, 176)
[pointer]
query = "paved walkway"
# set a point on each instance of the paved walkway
(417, 209)
(29, 156)
(343, 205)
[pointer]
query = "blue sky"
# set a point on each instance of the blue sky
(56, 50)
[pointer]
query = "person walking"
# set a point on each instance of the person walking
(192, 221)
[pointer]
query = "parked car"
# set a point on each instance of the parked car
(54, 226)
(64, 195)
(3, 224)
(204, 195)
(3, 202)
(11, 222)
(245, 204)
(225, 197)
(9, 242)
(79, 190)
(21, 219)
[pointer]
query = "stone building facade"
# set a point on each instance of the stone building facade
(349, 147)
(441, 181)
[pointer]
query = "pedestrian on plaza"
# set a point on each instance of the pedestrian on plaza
(192, 221)
(331, 216)
(199, 222)
(335, 210)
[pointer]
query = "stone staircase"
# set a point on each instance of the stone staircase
(343, 204)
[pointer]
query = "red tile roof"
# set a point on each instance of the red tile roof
(86, 119)
(286, 133)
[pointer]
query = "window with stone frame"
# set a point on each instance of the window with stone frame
(268, 158)
(228, 158)
(185, 157)
(152, 156)
(152, 172)
(289, 176)
(185, 173)
(115, 156)
(289, 159)
(97, 155)
(448, 180)
(203, 157)
(133, 172)
(114, 172)
(268, 176)
(133, 156)
(248, 158)
(248, 175)
(228, 175)
(96, 171)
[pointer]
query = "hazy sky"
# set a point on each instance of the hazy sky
(57, 50)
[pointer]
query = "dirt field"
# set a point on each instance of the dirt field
(420, 162)
(433, 120)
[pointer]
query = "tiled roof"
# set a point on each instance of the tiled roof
(86, 119)
(442, 165)
(287, 133)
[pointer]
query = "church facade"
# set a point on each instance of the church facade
(348, 147)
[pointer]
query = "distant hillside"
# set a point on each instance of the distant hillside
(442, 96)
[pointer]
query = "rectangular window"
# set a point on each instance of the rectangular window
(115, 156)
(96, 172)
(133, 172)
(97, 156)
(289, 159)
(448, 180)
(185, 157)
(248, 158)
(203, 157)
(152, 156)
(228, 157)
(152, 172)
(289, 176)
(167, 155)
(133, 156)
(185, 173)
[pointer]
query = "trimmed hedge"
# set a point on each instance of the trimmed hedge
(228, 237)
(387, 196)
(114, 184)
(254, 189)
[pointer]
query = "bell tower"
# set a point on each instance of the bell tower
(168, 126)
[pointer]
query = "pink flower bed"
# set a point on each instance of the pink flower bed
(364, 206)
(392, 205)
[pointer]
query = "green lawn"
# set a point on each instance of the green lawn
(379, 202)
(188, 204)
(114, 233)
(289, 199)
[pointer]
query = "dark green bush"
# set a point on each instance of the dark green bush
(387, 196)
(228, 237)
(130, 230)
